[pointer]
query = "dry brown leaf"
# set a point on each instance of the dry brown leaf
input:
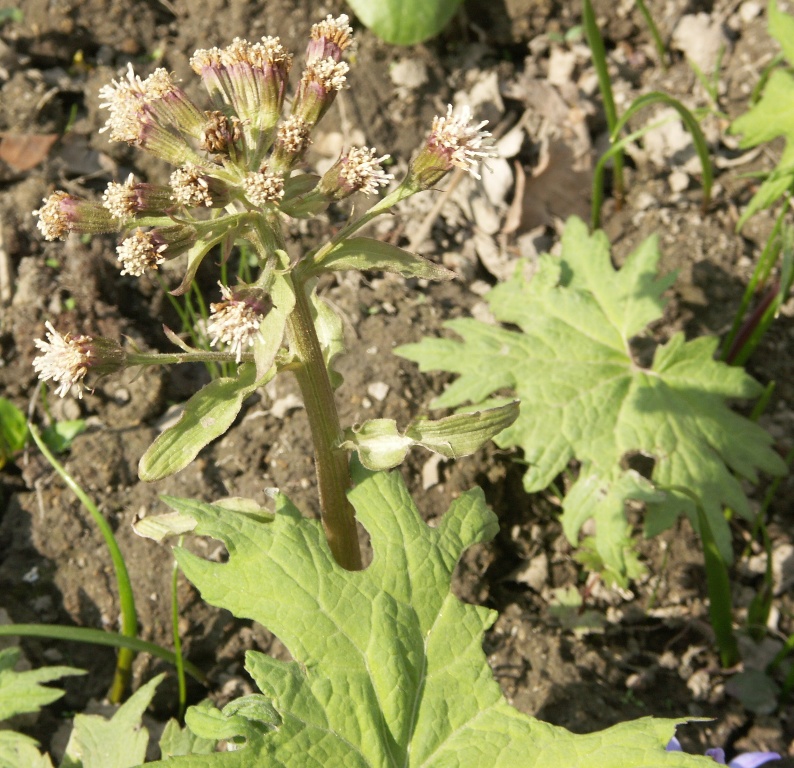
(24, 151)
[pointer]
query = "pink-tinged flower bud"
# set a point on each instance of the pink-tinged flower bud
(357, 171)
(129, 199)
(170, 104)
(67, 359)
(63, 213)
(292, 141)
(137, 119)
(263, 187)
(453, 141)
(143, 250)
(193, 188)
(329, 39)
(208, 64)
(321, 81)
(235, 320)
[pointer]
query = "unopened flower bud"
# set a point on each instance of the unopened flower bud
(67, 359)
(321, 81)
(357, 171)
(329, 39)
(193, 188)
(236, 319)
(292, 141)
(453, 141)
(251, 78)
(170, 104)
(63, 213)
(133, 198)
(263, 187)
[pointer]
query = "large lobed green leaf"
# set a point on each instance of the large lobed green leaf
(584, 396)
(388, 664)
(771, 117)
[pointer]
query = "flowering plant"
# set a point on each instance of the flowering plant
(388, 667)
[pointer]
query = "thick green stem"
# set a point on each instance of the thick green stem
(332, 464)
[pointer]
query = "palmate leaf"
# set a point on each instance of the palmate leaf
(388, 664)
(771, 117)
(584, 396)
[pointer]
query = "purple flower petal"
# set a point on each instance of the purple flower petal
(717, 755)
(674, 745)
(753, 759)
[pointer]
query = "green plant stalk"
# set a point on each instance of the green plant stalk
(331, 463)
(129, 618)
(598, 52)
(718, 585)
(750, 335)
(689, 120)
(173, 358)
(761, 604)
(406, 189)
(654, 30)
(761, 272)
(99, 637)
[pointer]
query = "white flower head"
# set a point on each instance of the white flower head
(139, 252)
(190, 187)
(234, 321)
(64, 360)
(464, 143)
(362, 170)
(263, 187)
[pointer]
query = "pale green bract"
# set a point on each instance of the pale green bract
(584, 396)
(771, 117)
(388, 664)
(380, 445)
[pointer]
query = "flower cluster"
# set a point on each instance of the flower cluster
(233, 171)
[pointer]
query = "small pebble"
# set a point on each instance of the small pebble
(378, 390)
(678, 181)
